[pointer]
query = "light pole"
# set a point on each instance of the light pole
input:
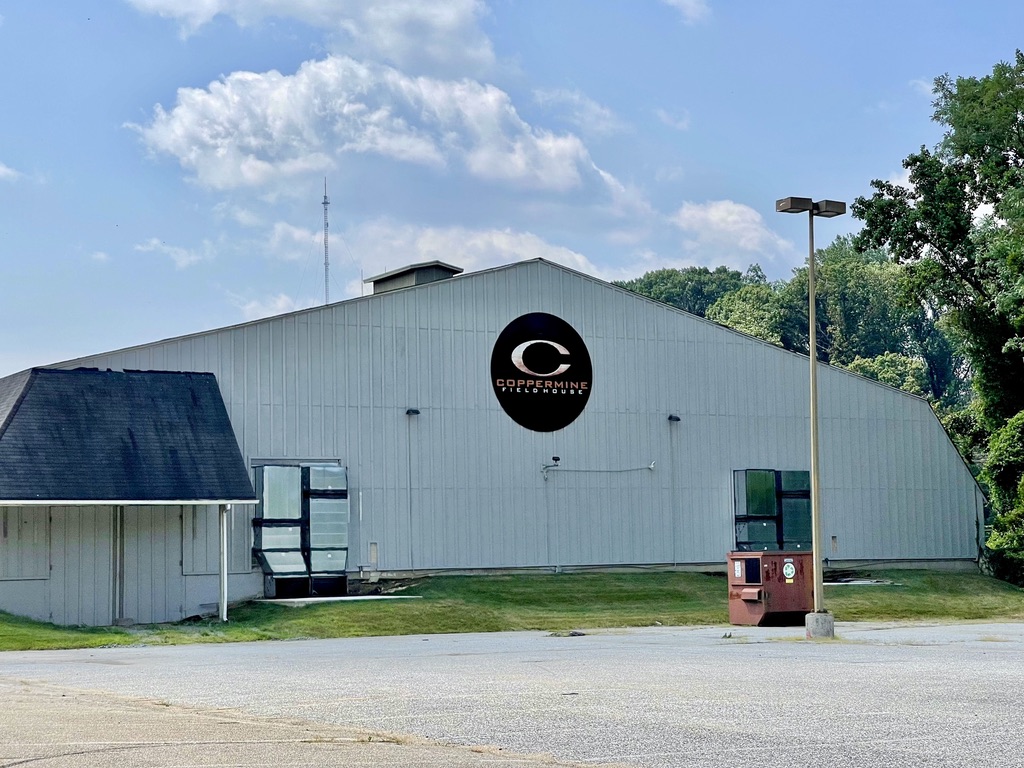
(820, 623)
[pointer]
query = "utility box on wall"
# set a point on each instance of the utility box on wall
(770, 587)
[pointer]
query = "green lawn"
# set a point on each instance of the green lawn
(541, 602)
(927, 596)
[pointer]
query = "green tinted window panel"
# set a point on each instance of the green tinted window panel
(796, 482)
(760, 535)
(796, 523)
(760, 496)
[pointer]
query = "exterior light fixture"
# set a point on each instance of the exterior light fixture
(794, 205)
(673, 417)
(826, 209)
(553, 465)
(412, 411)
(820, 623)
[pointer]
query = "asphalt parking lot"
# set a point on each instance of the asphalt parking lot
(881, 695)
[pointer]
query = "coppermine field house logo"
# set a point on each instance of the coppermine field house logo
(541, 372)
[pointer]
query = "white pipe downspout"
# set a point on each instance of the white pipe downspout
(223, 603)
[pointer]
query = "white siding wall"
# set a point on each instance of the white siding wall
(201, 558)
(201, 540)
(81, 543)
(25, 561)
(81, 582)
(24, 544)
(459, 486)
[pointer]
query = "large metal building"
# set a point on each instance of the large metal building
(528, 416)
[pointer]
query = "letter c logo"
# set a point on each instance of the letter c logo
(518, 352)
(542, 402)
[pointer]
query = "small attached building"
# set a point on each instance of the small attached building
(523, 417)
(101, 474)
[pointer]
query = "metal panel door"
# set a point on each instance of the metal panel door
(80, 551)
(150, 579)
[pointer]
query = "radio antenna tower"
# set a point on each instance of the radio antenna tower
(327, 261)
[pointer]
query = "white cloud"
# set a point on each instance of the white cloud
(254, 309)
(252, 130)
(582, 111)
(982, 212)
(669, 173)
(239, 214)
(725, 226)
(440, 37)
(292, 243)
(626, 201)
(8, 174)
(922, 87)
(901, 178)
(437, 36)
(679, 123)
(691, 10)
(645, 260)
(100, 256)
(383, 245)
(182, 257)
(193, 14)
(880, 107)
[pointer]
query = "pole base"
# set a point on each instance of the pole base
(820, 626)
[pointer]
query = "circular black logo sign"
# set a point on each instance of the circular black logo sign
(541, 372)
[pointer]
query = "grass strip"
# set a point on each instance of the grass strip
(540, 602)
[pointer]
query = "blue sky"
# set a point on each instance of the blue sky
(162, 161)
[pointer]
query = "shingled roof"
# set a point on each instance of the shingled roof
(147, 437)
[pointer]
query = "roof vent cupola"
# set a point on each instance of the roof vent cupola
(414, 274)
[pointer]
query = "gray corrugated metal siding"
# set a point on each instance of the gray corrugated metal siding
(335, 382)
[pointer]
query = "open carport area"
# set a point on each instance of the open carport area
(883, 694)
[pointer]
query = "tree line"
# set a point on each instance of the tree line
(868, 321)
(928, 296)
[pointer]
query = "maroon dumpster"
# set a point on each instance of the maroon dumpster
(774, 588)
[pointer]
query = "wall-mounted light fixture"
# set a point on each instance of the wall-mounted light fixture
(553, 465)
(412, 411)
(673, 417)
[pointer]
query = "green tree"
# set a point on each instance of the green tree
(1004, 467)
(984, 124)
(972, 273)
(693, 289)
(896, 370)
(959, 228)
(860, 308)
(965, 429)
(947, 372)
(1004, 473)
(866, 310)
(757, 310)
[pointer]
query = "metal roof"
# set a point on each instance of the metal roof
(87, 436)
